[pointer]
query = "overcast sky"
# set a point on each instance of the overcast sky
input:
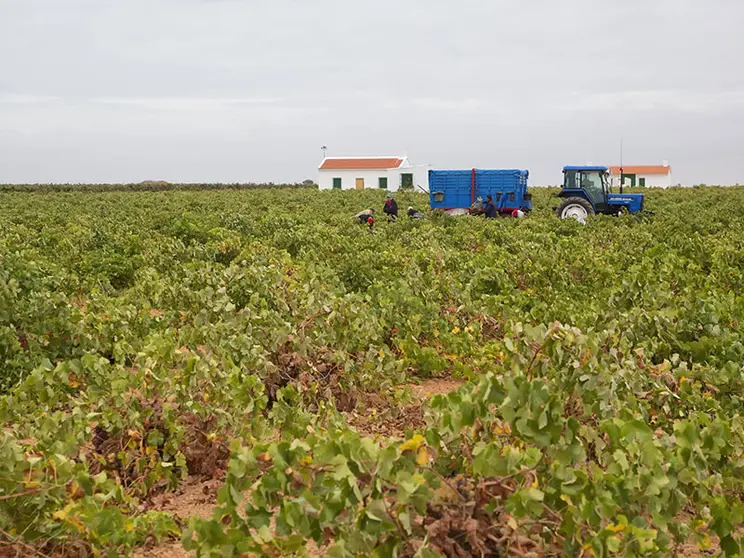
(249, 90)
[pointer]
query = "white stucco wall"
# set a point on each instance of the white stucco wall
(656, 180)
(348, 178)
(371, 177)
(652, 180)
(421, 177)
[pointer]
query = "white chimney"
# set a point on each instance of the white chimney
(665, 163)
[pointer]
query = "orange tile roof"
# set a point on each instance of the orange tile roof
(362, 163)
(642, 169)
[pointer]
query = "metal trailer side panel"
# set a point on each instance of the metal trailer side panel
(508, 188)
(457, 189)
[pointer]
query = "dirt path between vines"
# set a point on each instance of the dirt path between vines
(381, 420)
(435, 386)
(198, 498)
(194, 498)
(690, 548)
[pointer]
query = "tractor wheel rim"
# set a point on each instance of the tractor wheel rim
(575, 211)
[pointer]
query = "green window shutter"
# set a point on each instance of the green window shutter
(642, 182)
(383, 182)
(336, 183)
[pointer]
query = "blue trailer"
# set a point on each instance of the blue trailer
(455, 191)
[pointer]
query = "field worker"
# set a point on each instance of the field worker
(413, 214)
(391, 207)
(477, 207)
(365, 215)
(517, 214)
(490, 209)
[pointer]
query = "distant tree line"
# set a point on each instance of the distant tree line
(149, 186)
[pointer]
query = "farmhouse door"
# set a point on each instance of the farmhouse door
(360, 184)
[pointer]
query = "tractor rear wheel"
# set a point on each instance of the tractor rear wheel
(575, 208)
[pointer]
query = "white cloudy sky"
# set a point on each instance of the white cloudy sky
(249, 90)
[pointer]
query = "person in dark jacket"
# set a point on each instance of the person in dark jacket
(490, 209)
(413, 214)
(391, 207)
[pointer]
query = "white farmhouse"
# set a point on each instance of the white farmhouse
(659, 176)
(387, 173)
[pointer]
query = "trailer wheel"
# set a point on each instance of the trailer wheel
(575, 208)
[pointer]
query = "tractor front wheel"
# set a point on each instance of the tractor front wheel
(575, 208)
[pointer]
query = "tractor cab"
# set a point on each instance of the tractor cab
(586, 191)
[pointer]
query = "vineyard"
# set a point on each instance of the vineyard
(447, 387)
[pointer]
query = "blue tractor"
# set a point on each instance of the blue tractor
(586, 191)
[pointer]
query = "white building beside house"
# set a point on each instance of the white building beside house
(387, 173)
(651, 176)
